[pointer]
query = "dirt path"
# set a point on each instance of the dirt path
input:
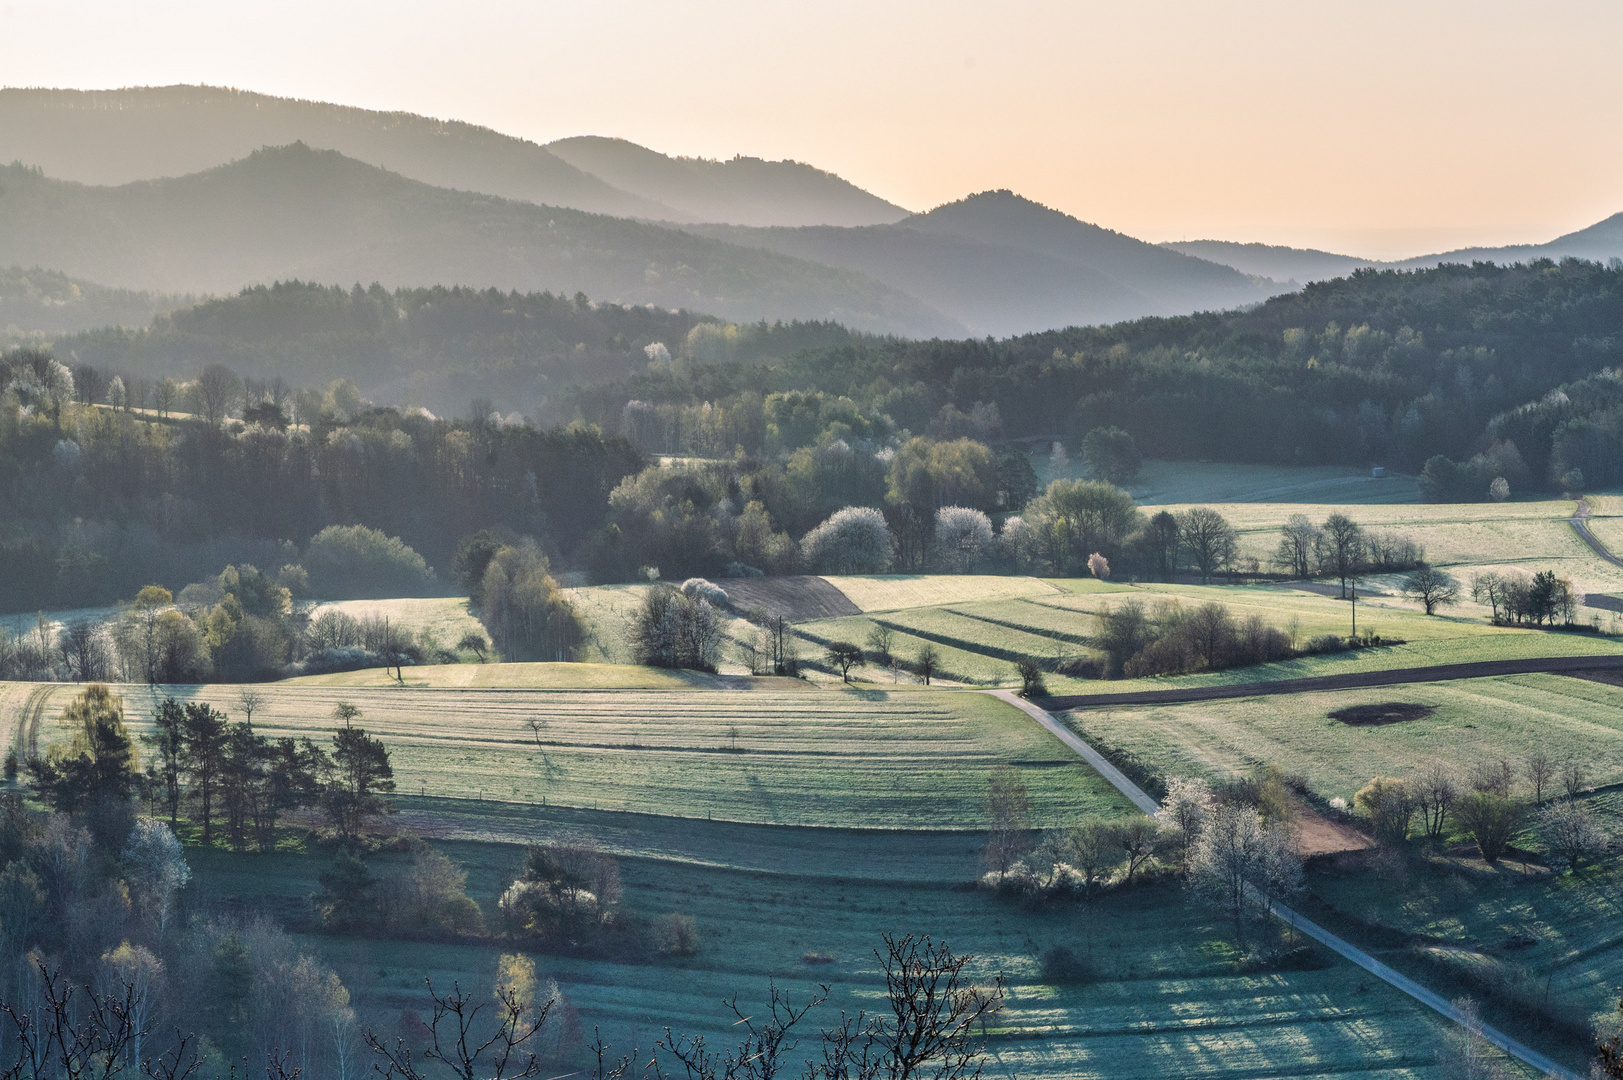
(1580, 525)
(1480, 669)
(1133, 792)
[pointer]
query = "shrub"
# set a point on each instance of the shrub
(1060, 966)
(1389, 806)
(855, 540)
(1491, 820)
(353, 562)
(1570, 833)
(676, 934)
(700, 588)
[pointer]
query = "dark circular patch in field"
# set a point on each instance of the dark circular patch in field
(1388, 712)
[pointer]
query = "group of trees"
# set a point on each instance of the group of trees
(1536, 599)
(855, 507)
(1169, 640)
(99, 497)
(678, 628)
(220, 775)
(1489, 803)
(1234, 847)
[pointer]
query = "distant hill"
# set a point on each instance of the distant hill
(36, 301)
(111, 137)
(1281, 264)
(742, 191)
(1600, 242)
(296, 212)
(1002, 264)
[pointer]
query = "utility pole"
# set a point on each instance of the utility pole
(1355, 608)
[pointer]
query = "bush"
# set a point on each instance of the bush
(855, 540)
(1062, 967)
(700, 588)
(1491, 820)
(353, 562)
(676, 934)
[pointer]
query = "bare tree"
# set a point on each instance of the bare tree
(1435, 792)
(1208, 538)
(464, 1045)
(1573, 778)
(928, 663)
(249, 700)
(1540, 772)
(1341, 549)
(1432, 588)
(217, 391)
(1008, 811)
(1297, 540)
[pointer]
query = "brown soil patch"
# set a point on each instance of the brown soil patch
(1388, 712)
(799, 599)
(1319, 835)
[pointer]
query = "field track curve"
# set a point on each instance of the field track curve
(1526, 1054)
(1580, 525)
(1483, 669)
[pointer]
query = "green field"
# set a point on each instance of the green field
(526, 676)
(1569, 959)
(1161, 482)
(801, 757)
(892, 592)
(1475, 720)
(1163, 1000)
(445, 618)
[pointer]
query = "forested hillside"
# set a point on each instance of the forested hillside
(1384, 367)
(439, 347)
(37, 301)
(294, 212)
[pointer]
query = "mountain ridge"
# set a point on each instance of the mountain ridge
(298, 212)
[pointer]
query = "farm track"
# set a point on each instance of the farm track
(1580, 525)
(1139, 798)
(1481, 669)
(29, 720)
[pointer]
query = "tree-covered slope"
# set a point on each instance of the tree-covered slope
(295, 212)
(35, 301)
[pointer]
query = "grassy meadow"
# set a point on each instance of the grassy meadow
(1161, 996)
(798, 757)
(1474, 720)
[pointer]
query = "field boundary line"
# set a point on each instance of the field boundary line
(1353, 680)
(1546, 1066)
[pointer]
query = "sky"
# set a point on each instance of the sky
(1375, 128)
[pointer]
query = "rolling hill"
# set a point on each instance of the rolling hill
(1600, 242)
(742, 191)
(36, 301)
(1283, 264)
(297, 212)
(111, 137)
(1002, 264)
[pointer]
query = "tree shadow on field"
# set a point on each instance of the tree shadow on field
(764, 796)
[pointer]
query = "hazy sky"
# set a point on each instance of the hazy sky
(1373, 127)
